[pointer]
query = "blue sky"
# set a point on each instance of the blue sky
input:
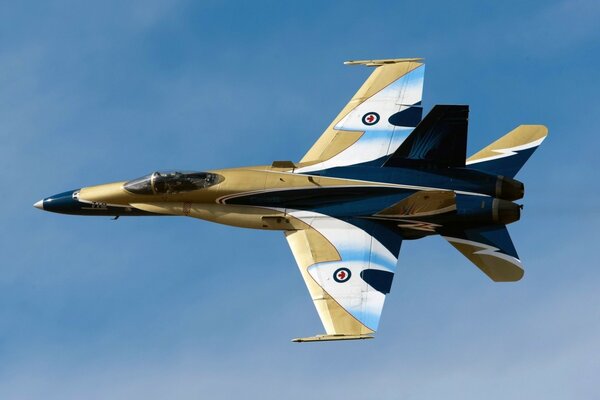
(155, 308)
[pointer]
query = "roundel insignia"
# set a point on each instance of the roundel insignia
(342, 275)
(370, 118)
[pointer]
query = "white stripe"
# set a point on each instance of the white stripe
(486, 249)
(511, 151)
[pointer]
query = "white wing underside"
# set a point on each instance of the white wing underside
(378, 137)
(332, 256)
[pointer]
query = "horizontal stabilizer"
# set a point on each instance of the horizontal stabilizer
(440, 140)
(507, 155)
(490, 249)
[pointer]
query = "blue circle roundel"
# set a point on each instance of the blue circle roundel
(342, 275)
(370, 118)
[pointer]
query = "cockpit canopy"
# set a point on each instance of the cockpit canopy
(172, 182)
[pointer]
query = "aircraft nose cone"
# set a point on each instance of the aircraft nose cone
(63, 203)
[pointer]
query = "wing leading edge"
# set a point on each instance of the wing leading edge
(348, 271)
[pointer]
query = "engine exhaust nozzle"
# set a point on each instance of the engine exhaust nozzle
(505, 212)
(509, 188)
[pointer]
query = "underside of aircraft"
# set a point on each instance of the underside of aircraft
(379, 174)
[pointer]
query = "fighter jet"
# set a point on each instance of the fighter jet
(380, 174)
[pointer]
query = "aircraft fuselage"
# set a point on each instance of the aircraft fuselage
(256, 197)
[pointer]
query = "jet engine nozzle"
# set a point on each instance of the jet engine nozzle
(505, 212)
(509, 188)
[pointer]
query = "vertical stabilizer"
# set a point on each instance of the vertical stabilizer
(439, 140)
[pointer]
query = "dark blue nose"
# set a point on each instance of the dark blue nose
(64, 203)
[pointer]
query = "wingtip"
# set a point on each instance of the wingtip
(380, 62)
(330, 338)
(534, 132)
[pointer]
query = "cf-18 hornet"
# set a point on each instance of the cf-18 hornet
(379, 174)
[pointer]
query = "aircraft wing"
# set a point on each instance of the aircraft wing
(348, 269)
(376, 120)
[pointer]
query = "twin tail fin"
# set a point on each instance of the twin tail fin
(440, 141)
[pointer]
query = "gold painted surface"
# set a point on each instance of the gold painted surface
(113, 193)
(310, 247)
(521, 135)
(282, 180)
(244, 216)
(237, 181)
(498, 269)
(242, 180)
(160, 208)
(301, 180)
(383, 75)
(340, 142)
(278, 179)
(108, 193)
(421, 204)
(239, 216)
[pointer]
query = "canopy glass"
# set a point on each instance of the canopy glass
(172, 182)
